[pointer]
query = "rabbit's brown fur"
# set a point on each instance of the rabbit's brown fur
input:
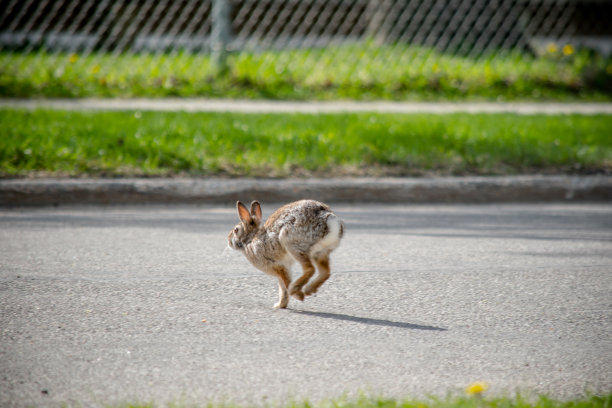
(305, 231)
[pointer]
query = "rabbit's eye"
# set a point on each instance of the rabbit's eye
(236, 230)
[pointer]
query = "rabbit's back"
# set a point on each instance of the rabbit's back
(304, 224)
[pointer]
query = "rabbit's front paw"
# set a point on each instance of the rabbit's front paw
(281, 305)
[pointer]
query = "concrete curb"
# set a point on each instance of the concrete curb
(42, 192)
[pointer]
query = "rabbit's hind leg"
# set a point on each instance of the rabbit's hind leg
(322, 262)
(308, 270)
(284, 280)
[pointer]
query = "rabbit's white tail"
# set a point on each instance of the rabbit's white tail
(332, 239)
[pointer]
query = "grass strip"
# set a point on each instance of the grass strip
(362, 71)
(68, 143)
(476, 401)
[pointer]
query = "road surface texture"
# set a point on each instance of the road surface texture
(109, 305)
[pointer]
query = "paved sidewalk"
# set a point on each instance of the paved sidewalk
(266, 106)
(24, 192)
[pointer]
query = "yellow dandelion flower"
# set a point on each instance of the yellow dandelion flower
(476, 388)
(568, 49)
(551, 48)
(95, 69)
(73, 58)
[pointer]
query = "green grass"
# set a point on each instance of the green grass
(593, 401)
(361, 71)
(231, 144)
(469, 402)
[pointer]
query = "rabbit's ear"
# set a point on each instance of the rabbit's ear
(256, 210)
(243, 212)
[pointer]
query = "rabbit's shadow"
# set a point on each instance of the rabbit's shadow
(367, 320)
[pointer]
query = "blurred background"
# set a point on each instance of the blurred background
(308, 49)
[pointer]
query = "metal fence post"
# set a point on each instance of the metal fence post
(377, 13)
(220, 33)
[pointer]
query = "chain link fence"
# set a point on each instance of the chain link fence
(318, 42)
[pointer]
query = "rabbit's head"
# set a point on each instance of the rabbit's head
(245, 230)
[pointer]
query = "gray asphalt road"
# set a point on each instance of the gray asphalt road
(103, 305)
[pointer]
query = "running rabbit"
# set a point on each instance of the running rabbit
(306, 231)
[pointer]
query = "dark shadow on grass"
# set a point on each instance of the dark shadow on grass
(367, 320)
